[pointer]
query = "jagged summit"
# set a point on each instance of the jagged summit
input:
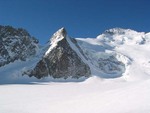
(63, 31)
(59, 35)
(6, 31)
(16, 44)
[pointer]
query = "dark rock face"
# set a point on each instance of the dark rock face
(40, 70)
(62, 61)
(15, 44)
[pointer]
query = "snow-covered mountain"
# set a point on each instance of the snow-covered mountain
(62, 59)
(16, 44)
(119, 52)
(115, 53)
(106, 74)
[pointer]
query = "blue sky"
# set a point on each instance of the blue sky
(81, 18)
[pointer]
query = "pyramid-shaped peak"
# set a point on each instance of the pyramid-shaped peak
(62, 29)
(59, 35)
(61, 32)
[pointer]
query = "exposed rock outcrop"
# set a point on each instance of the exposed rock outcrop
(16, 44)
(61, 60)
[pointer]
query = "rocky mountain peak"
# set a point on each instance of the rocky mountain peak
(16, 44)
(59, 35)
(61, 60)
(6, 31)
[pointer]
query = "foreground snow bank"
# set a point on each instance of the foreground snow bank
(91, 96)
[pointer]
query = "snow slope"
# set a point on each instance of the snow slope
(126, 46)
(101, 93)
(90, 96)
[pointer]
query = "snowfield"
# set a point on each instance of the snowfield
(91, 96)
(124, 90)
